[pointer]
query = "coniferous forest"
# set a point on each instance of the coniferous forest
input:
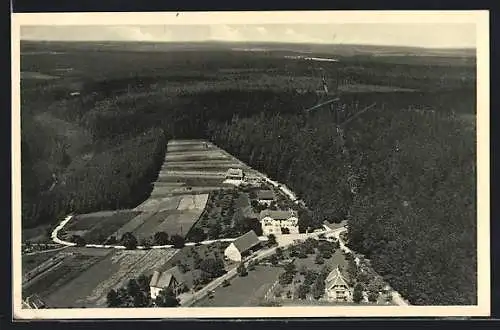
(412, 156)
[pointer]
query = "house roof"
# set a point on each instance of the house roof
(277, 215)
(265, 194)
(246, 241)
(163, 279)
(235, 171)
(335, 278)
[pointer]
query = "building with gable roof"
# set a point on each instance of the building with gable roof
(265, 197)
(172, 278)
(336, 287)
(273, 222)
(242, 246)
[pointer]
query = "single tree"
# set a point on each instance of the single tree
(166, 298)
(274, 259)
(242, 270)
(319, 259)
(214, 267)
(373, 296)
(129, 241)
(290, 268)
(279, 253)
(357, 295)
(197, 234)
(160, 238)
(271, 240)
(177, 241)
(302, 291)
(113, 299)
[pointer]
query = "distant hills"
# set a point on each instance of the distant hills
(330, 49)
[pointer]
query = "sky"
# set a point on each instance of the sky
(432, 35)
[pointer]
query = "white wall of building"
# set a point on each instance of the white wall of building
(232, 253)
(273, 226)
(154, 292)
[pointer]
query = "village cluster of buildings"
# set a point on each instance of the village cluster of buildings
(276, 222)
(337, 288)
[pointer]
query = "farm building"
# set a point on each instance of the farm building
(265, 197)
(276, 222)
(234, 174)
(336, 287)
(242, 246)
(171, 278)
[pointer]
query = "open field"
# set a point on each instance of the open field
(97, 228)
(30, 262)
(90, 288)
(59, 272)
(244, 291)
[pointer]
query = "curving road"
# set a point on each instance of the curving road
(282, 240)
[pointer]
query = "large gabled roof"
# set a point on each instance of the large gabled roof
(335, 278)
(246, 241)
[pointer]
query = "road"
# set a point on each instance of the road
(282, 240)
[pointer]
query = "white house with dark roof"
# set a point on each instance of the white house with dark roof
(172, 278)
(242, 246)
(273, 222)
(336, 287)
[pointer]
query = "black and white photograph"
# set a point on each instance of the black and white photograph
(246, 164)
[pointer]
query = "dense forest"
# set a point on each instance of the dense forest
(413, 212)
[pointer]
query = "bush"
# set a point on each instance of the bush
(177, 241)
(160, 238)
(129, 241)
(242, 270)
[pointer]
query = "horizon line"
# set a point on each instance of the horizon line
(248, 42)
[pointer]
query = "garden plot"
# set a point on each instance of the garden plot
(132, 225)
(193, 202)
(68, 267)
(159, 204)
(151, 224)
(95, 229)
(188, 209)
(91, 287)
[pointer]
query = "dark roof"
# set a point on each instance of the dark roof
(277, 215)
(246, 241)
(265, 194)
(163, 279)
